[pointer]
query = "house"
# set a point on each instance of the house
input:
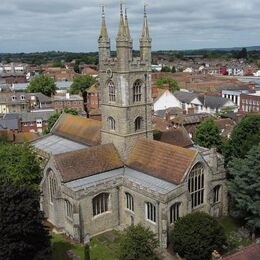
(93, 98)
(235, 71)
(250, 102)
(165, 101)
(100, 176)
(226, 126)
(60, 102)
(39, 101)
(59, 74)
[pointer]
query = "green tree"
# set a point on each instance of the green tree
(80, 85)
(138, 242)
(207, 135)
(19, 164)
(173, 69)
(244, 187)
(173, 85)
(245, 134)
(196, 236)
(42, 84)
(166, 69)
(23, 236)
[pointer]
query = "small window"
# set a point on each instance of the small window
(100, 203)
(129, 201)
(150, 211)
(137, 91)
(216, 194)
(175, 212)
(68, 209)
(138, 123)
(22, 97)
(112, 91)
(112, 123)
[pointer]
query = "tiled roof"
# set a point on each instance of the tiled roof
(87, 162)
(165, 161)
(251, 252)
(178, 136)
(79, 129)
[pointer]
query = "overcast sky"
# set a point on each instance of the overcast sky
(74, 25)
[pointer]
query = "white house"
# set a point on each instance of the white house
(165, 101)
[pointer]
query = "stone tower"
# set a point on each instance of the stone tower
(125, 84)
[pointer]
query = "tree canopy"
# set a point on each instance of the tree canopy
(42, 84)
(173, 85)
(137, 242)
(196, 236)
(207, 135)
(244, 187)
(166, 69)
(19, 164)
(243, 137)
(81, 84)
(23, 236)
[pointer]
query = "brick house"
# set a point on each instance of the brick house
(68, 101)
(250, 102)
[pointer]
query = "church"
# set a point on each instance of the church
(100, 176)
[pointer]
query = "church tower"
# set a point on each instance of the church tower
(125, 84)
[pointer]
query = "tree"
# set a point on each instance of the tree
(244, 135)
(54, 117)
(244, 187)
(23, 236)
(42, 84)
(81, 84)
(166, 69)
(19, 164)
(173, 85)
(196, 236)
(207, 134)
(173, 69)
(137, 243)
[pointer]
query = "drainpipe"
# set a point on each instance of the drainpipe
(145, 86)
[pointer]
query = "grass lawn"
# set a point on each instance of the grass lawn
(102, 247)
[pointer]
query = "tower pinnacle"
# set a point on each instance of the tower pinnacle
(122, 30)
(103, 32)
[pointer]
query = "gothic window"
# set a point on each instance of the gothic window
(175, 212)
(111, 123)
(112, 91)
(150, 211)
(196, 185)
(100, 203)
(216, 194)
(137, 91)
(138, 123)
(52, 186)
(68, 209)
(129, 201)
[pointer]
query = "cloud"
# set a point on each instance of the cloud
(37, 25)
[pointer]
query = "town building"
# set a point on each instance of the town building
(250, 102)
(60, 102)
(104, 175)
(59, 74)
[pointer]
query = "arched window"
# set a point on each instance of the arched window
(112, 123)
(175, 212)
(52, 185)
(150, 211)
(137, 91)
(216, 194)
(112, 91)
(100, 203)
(138, 123)
(196, 185)
(68, 209)
(129, 201)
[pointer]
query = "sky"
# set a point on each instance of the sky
(74, 25)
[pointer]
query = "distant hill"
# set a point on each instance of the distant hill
(250, 48)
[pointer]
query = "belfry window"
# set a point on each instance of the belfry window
(196, 185)
(137, 91)
(112, 123)
(112, 91)
(175, 212)
(150, 211)
(100, 203)
(138, 123)
(129, 201)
